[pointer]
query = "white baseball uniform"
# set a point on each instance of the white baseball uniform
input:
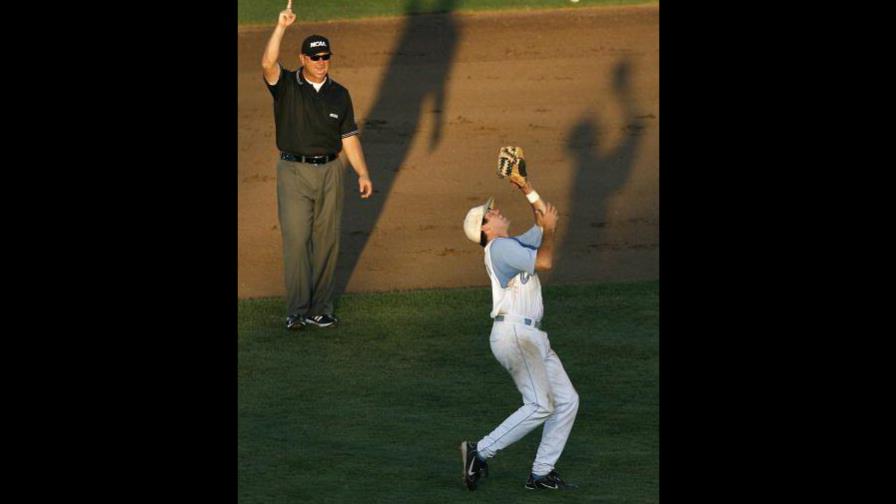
(525, 351)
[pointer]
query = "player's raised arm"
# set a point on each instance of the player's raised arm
(544, 259)
(525, 187)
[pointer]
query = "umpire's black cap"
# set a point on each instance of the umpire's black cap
(315, 44)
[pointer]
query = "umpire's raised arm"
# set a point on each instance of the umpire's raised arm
(270, 59)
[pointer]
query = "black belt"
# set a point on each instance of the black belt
(321, 159)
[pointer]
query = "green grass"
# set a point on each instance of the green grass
(373, 410)
(266, 11)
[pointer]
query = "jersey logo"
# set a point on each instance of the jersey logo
(334, 116)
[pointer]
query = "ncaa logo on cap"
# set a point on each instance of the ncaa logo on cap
(315, 44)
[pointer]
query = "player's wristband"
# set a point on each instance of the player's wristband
(533, 197)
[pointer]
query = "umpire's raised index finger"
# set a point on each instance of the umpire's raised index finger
(289, 5)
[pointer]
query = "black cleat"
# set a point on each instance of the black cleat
(474, 468)
(295, 322)
(321, 320)
(551, 481)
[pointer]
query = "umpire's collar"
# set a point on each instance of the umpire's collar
(301, 78)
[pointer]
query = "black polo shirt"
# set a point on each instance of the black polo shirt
(309, 122)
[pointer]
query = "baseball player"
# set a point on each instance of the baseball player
(519, 344)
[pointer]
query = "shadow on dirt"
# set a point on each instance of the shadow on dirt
(412, 86)
(600, 173)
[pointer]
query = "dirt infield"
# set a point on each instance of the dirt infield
(436, 96)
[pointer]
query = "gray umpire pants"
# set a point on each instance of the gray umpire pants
(309, 205)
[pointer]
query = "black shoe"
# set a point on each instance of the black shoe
(321, 320)
(295, 322)
(551, 481)
(474, 467)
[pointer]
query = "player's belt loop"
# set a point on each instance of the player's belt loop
(519, 320)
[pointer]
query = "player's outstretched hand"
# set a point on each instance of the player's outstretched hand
(548, 219)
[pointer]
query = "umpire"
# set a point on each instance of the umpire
(314, 121)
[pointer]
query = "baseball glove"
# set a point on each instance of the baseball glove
(512, 163)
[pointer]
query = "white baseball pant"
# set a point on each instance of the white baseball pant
(548, 395)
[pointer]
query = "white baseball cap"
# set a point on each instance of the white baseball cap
(473, 220)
